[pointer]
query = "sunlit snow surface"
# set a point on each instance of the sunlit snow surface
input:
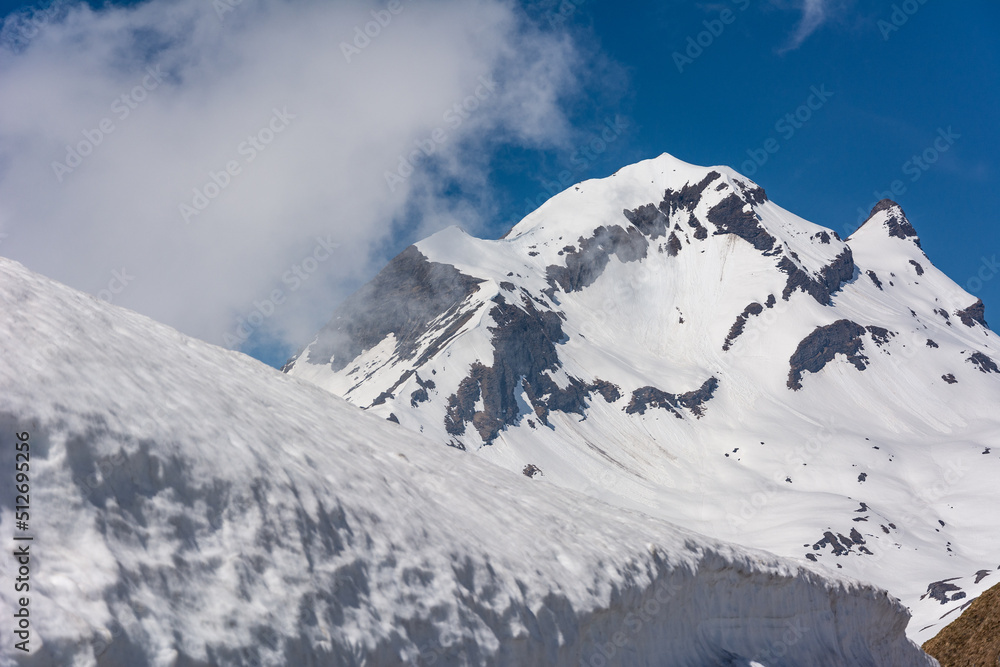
(897, 453)
(190, 506)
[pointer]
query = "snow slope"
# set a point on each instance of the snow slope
(671, 341)
(190, 506)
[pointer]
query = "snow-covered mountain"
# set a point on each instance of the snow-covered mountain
(671, 341)
(190, 506)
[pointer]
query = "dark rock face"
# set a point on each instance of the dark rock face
(840, 544)
(687, 197)
(880, 335)
(700, 231)
(770, 301)
(653, 220)
(753, 193)
(883, 205)
(585, 265)
(821, 346)
(462, 404)
(524, 351)
(651, 397)
(737, 328)
(874, 277)
(524, 342)
(931, 343)
(420, 395)
(673, 245)
(897, 224)
(402, 300)
(608, 390)
(901, 228)
(729, 217)
(949, 378)
(386, 395)
(821, 288)
(940, 590)
(983, 362)
(822, 237)
(531, 470)
(916, 265)
(829, 539)
(649, 220)
(974, 314)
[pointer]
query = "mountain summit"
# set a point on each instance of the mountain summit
(668, 339)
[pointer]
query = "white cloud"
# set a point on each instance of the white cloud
(814, 14)
(273, 69)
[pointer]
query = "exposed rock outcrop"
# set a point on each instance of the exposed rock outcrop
(974, 314)
(830, 279)
(651, 397)
(821, 346)
(741, 321)
(401, 300)
(524, 352)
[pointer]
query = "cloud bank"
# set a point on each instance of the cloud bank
(231, 167)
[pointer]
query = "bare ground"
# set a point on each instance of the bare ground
(973, 639)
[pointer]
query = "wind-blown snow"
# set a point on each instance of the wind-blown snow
(190, 506)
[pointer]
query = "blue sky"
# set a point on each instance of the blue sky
(903, 93)
(940, 70)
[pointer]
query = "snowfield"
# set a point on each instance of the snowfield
(671, 341)
(191, 506)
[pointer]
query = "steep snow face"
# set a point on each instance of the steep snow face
(190, 506)
(669, 340)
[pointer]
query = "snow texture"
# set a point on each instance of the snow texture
(844, 374)
(190, 506)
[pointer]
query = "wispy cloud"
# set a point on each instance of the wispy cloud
(814, 14)
(206, 145)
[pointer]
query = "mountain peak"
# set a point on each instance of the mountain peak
(669, 333)
(585, 206)
(889, 216)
